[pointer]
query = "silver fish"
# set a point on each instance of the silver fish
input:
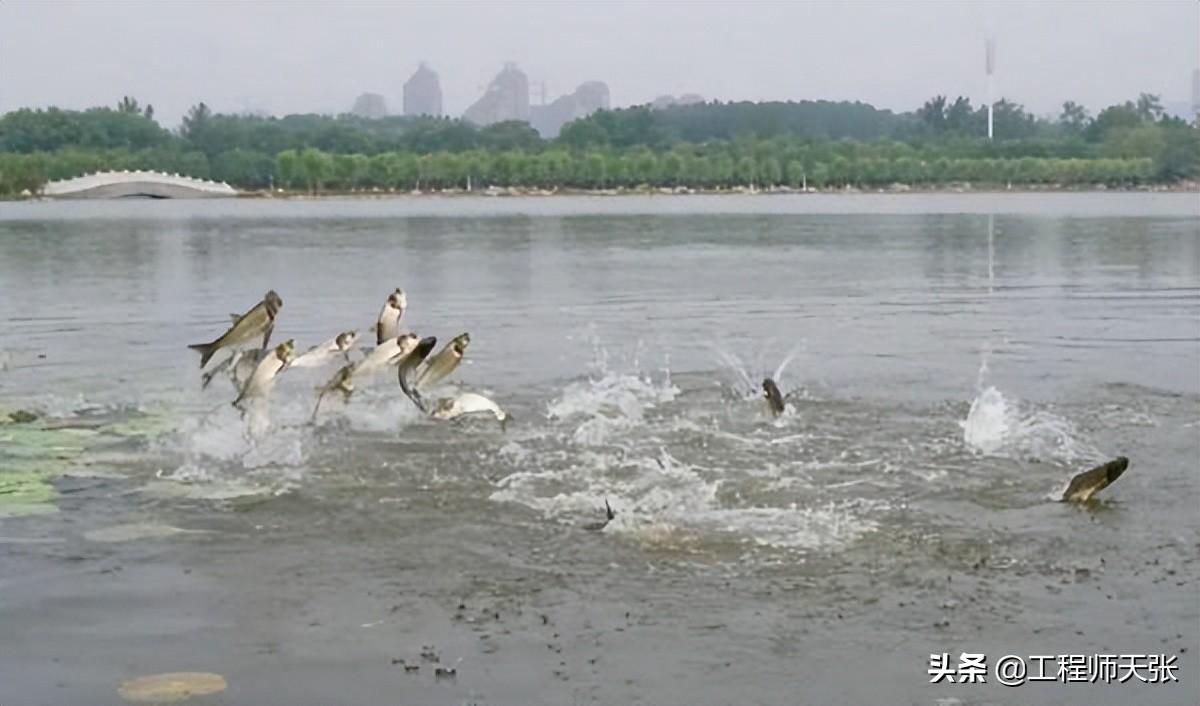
(328, 351)
(258, 321)
(390, 352)
(387, 325)
(263, 378)
(469, 403)
(444, 363)
(1086, 484)
(342, 381)
(240, 364)
(406, 369)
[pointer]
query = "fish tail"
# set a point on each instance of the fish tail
(205, 350)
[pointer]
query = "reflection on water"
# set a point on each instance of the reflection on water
(949, 369)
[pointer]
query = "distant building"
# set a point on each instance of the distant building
(587, 99)
(423, 93)
(1196, 93)
(370, 105)
(506, 98)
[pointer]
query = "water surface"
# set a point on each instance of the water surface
(952, 361)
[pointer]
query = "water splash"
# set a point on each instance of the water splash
(1003, 427)
(748, 378)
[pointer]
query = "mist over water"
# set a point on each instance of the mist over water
(947, 372)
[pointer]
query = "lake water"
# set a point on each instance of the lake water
(952, 360)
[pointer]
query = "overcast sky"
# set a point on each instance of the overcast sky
(284, 57)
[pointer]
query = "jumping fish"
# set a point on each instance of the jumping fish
(390, 352)
(342, 381)
(328, 351)
(443, 363)
(774, 398)
(469, 403)
(260, 383)
(259, 320)
(409, 365)
(388, 324)
(1087, 484)
(240, 366)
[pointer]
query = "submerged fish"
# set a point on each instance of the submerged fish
(263, 378)
(387, 325)
(469, 403)
(342, 381)
(774, 398)
(328, 351)
(1088, 483)
(408, 367)
(444, 363)
(259, 321)
(609, 514)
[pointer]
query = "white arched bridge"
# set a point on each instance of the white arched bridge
(125, 184)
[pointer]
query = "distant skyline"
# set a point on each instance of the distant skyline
(282, 58)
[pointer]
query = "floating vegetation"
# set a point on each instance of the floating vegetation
(26, 493)
(22, 416)
(32, 442)
(170, 688)
(141, 426)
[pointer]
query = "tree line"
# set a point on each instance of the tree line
(713, 145)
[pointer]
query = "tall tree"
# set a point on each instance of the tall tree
(197, 118)
(1149, 107)
(1074, 117)
(128, 104)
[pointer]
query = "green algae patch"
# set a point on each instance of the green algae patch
(26, 494)
(142, 426)
(170, 688)
(32, 442)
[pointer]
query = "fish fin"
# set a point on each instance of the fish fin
(207, 378)
(267, 335)
(409, 390)
(236, 317)
(205, 350)
(317, 408)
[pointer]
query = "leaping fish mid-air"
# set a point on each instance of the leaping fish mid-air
(406, 370)
(391, 352)
(441, 365)
(469, 403)
(388, 324)
(240, 366)
(263, 378)
(328, 351)
(258, 321)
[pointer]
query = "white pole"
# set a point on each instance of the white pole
(991, 63)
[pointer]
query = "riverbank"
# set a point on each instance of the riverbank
(516, 191)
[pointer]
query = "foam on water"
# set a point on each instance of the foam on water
(659, 499)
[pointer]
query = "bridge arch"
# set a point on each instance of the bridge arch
(126, 184)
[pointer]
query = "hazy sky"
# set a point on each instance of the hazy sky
(310, 56)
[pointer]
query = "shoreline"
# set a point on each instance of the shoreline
(523, 192)
(1183, 187)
